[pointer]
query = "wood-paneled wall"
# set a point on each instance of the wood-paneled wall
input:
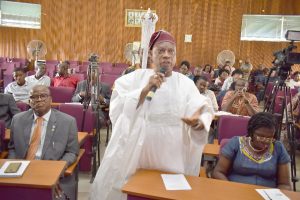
(72, 29)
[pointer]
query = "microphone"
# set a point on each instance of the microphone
(154, 88)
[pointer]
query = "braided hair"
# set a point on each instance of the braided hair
(260, 120)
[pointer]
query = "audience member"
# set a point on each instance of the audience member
(224, 73)
(236, 74)
(185, 69)
(294, 81)
(246, 68)
(147, 134)
(197, 71)
(239, 101)
(40, 77)
(208, 69)
(256, 158)
(8, 108)
(63, 79)
(104, 93)
(20, 87)
(202, 85)
(43, 133)
(260, 84)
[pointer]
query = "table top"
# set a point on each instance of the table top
(70, 170)
(149, 184)
(211, 149)
(81, 136)
(39, 174)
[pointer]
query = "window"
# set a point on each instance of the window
(23, 15)
(268, 27)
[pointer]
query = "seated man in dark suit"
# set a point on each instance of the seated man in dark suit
(80, 92)
(104, 94)
(45, 134)
(8, 108)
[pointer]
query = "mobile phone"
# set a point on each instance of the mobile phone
(12, 168)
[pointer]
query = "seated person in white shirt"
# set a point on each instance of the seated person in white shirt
(40, 77)
(202, 85)
(295, 82)
(19, 88)
(236, 74)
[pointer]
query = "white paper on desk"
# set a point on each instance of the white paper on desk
(272, 194)
(175, 182)
(20, 171)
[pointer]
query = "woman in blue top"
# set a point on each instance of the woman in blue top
(256, 159)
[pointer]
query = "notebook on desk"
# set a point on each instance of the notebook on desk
(13, 168)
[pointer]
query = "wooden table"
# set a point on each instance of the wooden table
(211, 150)
(37, 182)
(148, 184)
(82, 136)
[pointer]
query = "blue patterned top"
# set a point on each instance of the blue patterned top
(246, 170)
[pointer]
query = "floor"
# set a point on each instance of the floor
(84, 178)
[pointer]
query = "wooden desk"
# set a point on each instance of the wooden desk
(148, 184)
(37, 182)
(211, 150)
(70, 170)
(82, 136)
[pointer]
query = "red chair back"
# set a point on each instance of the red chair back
(229, 126)
(75, 110)
(61, 94)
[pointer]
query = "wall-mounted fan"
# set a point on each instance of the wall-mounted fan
(226, 57)
(36, 49)
(131, 52)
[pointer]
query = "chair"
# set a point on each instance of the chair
(116, 71)
(22, 106)
(52, 62)
(89, 124)
(106, 67)
(79, 76)
(108, 79)
(51, 69)
(229, 126)
(75, 110)
(2, 135)
(61, 94)
(30, 73)
(121, 65)
(22, 61)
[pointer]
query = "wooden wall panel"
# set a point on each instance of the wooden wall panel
(72, 29)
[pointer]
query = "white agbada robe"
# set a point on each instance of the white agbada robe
(152, 136)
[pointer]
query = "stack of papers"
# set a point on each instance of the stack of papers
(175, 182)
(272, 194)
(18, 173)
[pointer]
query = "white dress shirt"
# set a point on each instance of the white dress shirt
(44, 80)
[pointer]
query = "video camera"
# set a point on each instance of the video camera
(284, 59)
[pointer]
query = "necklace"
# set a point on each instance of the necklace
(254, 149)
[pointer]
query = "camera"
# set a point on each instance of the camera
(284, 59)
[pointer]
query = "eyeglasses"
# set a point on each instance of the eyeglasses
(42, 97)
(264, 139)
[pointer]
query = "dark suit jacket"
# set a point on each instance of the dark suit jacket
(8, 108)
(61, 140)
(104, 90)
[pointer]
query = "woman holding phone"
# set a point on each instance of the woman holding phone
(239, 101)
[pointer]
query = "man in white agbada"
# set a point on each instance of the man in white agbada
(167, 133)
